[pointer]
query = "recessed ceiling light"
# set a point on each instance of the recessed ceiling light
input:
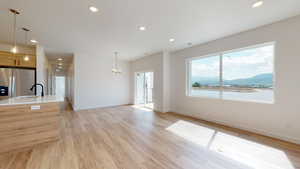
(60, 64)
(142, 28)
(172, 40)
(257, 4)
(60, 59)
(93, 9)
(59, 67)
(33, 41)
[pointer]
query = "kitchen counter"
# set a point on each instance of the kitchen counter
(31, 100)
(27, 121)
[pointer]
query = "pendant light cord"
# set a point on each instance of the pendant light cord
(115, 64)
(117, 61)
(15, 27)
(26, 36)
(15, 13)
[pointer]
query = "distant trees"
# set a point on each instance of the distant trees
(196, 84)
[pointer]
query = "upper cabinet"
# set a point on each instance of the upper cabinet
(17, 60)
(26, 60)
(7, 59)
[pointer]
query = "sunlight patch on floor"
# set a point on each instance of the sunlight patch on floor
(142, 107)
(252, 154)
(192, 132)
(149, 105)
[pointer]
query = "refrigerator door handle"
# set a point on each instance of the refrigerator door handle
(10, 90)
(9, 86)
(13, 86)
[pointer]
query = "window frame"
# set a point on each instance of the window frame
(220, 54)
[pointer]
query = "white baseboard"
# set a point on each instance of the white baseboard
(99, 107)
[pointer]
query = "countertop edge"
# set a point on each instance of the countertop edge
(39, 100)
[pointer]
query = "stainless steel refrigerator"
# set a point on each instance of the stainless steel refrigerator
(16, 82)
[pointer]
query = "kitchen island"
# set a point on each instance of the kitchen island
(29, 120)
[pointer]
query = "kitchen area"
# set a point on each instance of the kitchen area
(29, 113)
(30, 104)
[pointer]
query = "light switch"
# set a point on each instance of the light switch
(35, 107)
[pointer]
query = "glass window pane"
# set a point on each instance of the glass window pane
(248, 74)
(140, 88)
(205, 80)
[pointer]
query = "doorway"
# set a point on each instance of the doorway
(60, 83)
(144, 89)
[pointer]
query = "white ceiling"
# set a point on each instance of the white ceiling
(67, 26)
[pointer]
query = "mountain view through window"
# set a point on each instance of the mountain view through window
(244, 75)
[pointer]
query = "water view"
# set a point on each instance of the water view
(259, 95)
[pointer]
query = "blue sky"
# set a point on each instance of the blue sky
(236, 65)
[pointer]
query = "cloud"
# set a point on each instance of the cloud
(207, 68)
(242, 64)
(251, 56)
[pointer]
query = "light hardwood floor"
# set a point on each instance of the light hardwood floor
(128, 137)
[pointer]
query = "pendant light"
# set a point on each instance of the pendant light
(115, 68)
(14, 48)
(258, 3)
(26, 57)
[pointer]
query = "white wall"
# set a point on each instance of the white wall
(152, 63)
(94, 83)
(41, 69)
(278, 120)
(166, 81)
(50, 80)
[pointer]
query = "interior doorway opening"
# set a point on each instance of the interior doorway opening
(60, 84)
(144, 89)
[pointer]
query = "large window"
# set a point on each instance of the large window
(244, 74)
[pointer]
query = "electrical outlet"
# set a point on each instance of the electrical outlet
(35, 107)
